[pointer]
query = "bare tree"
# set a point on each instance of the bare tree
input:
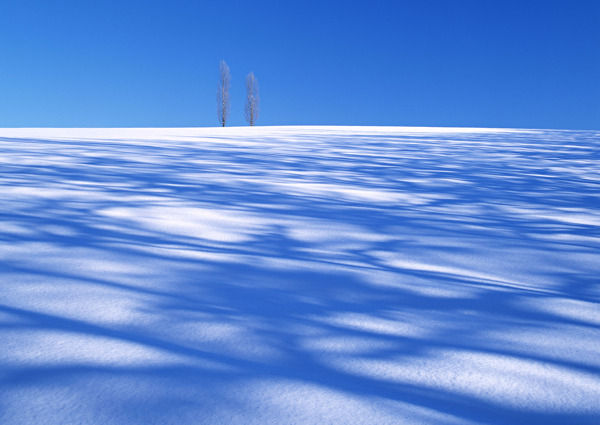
(252, 99)
(223, 99)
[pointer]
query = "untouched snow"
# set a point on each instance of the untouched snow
(299, 275)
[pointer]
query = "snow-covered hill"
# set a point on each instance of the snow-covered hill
(299, 275)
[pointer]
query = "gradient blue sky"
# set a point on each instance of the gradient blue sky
(154, 63)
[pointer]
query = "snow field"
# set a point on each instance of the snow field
(299, 275)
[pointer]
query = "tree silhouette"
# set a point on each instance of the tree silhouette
(223, 100)
(252, 99)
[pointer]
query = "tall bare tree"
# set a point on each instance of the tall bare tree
(252, 99)
(223, 99)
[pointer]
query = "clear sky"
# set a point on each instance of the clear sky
(154, 63)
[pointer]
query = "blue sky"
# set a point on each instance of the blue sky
(154, 63)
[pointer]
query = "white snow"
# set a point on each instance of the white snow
(299, 275)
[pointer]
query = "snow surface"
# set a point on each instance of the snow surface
(299, 275)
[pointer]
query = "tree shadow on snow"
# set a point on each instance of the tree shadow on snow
(424, 278)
